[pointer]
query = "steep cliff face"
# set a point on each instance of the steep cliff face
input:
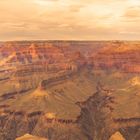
(123, 56)
(32, 54)
(25, 61)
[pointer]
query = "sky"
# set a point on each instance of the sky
(69, 19)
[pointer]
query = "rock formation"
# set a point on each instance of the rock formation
(30, 137)
(70, 90)
(117, 136)
(123, 56)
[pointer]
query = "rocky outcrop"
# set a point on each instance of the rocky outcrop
(123, 56)
(117, 136)
(30, 137)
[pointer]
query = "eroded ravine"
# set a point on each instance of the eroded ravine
(97, 122)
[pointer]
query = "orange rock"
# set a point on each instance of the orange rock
(117, 136)
(30, 137)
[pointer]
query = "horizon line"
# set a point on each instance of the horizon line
(82, 40)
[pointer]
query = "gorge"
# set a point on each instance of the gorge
(69, 90)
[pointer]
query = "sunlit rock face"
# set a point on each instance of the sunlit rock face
(117, 136)
(69, 90)
(30, 137)
(119, 55)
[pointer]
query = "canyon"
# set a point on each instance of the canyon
(70, 90)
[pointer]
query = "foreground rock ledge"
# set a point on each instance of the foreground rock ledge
(117, 136)
(30, 137)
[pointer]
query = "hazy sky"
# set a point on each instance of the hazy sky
(69, 19)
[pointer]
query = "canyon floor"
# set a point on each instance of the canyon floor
(70, 90)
